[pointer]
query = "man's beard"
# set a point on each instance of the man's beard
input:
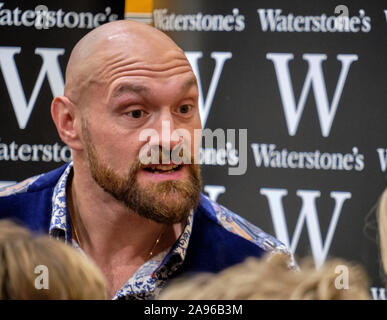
(148, 201)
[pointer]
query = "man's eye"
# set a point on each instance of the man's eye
(136, 113)
(185, 108)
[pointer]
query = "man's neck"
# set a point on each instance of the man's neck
(115, 237)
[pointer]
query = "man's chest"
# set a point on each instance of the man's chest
(117, 276)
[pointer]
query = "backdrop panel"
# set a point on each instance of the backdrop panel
(310, 88)
(36, 38)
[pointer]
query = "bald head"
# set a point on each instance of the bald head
(106, 48)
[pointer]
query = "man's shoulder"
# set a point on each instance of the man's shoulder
(19, 187)
(29, 202)
(239, 226)
(34, 183)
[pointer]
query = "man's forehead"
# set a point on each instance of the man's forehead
(140, 46)
(105, 54)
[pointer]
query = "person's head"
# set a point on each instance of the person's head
(271, 279)
(38, 267)
(382, 222)
(122, 78)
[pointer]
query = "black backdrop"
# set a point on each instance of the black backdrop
(327, 160)
(29, 143)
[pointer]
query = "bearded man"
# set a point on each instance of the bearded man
(141, 223)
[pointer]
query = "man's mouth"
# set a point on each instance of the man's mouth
(163, 168)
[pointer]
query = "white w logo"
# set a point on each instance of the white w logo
(220, 58)
(315, 79)
(50, 67)
(307, 214)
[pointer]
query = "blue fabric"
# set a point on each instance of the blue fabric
(212, 248)
(32, 209)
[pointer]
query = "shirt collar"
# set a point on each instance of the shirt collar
(60, 220)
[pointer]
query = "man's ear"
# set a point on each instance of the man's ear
(67, 120)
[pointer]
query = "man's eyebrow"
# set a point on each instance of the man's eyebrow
(189, 83)
(129, 87)
(137, 88)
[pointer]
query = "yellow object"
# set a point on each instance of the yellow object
(139, 10)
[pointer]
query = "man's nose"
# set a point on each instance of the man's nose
(165, 127)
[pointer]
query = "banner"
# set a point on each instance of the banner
(36, 41)
(307, 80)
(297, 90)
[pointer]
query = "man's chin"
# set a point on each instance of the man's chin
(167, 202)
(166, 209)
(170, 200)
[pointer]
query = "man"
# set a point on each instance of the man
(141, 223)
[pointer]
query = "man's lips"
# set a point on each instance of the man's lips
(164, 171)
(162, 168)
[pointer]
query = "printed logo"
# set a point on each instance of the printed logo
(220, 58)
(214, 191)
(269, 156)
(50, 68)
(378, 293)
(314, 80)
(308, 215)
(382, 153)
(43, 18)
(273, 20)
(198, 22)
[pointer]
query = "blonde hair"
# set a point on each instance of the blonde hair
(71, 275)
(382, 222)
(270, 278)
